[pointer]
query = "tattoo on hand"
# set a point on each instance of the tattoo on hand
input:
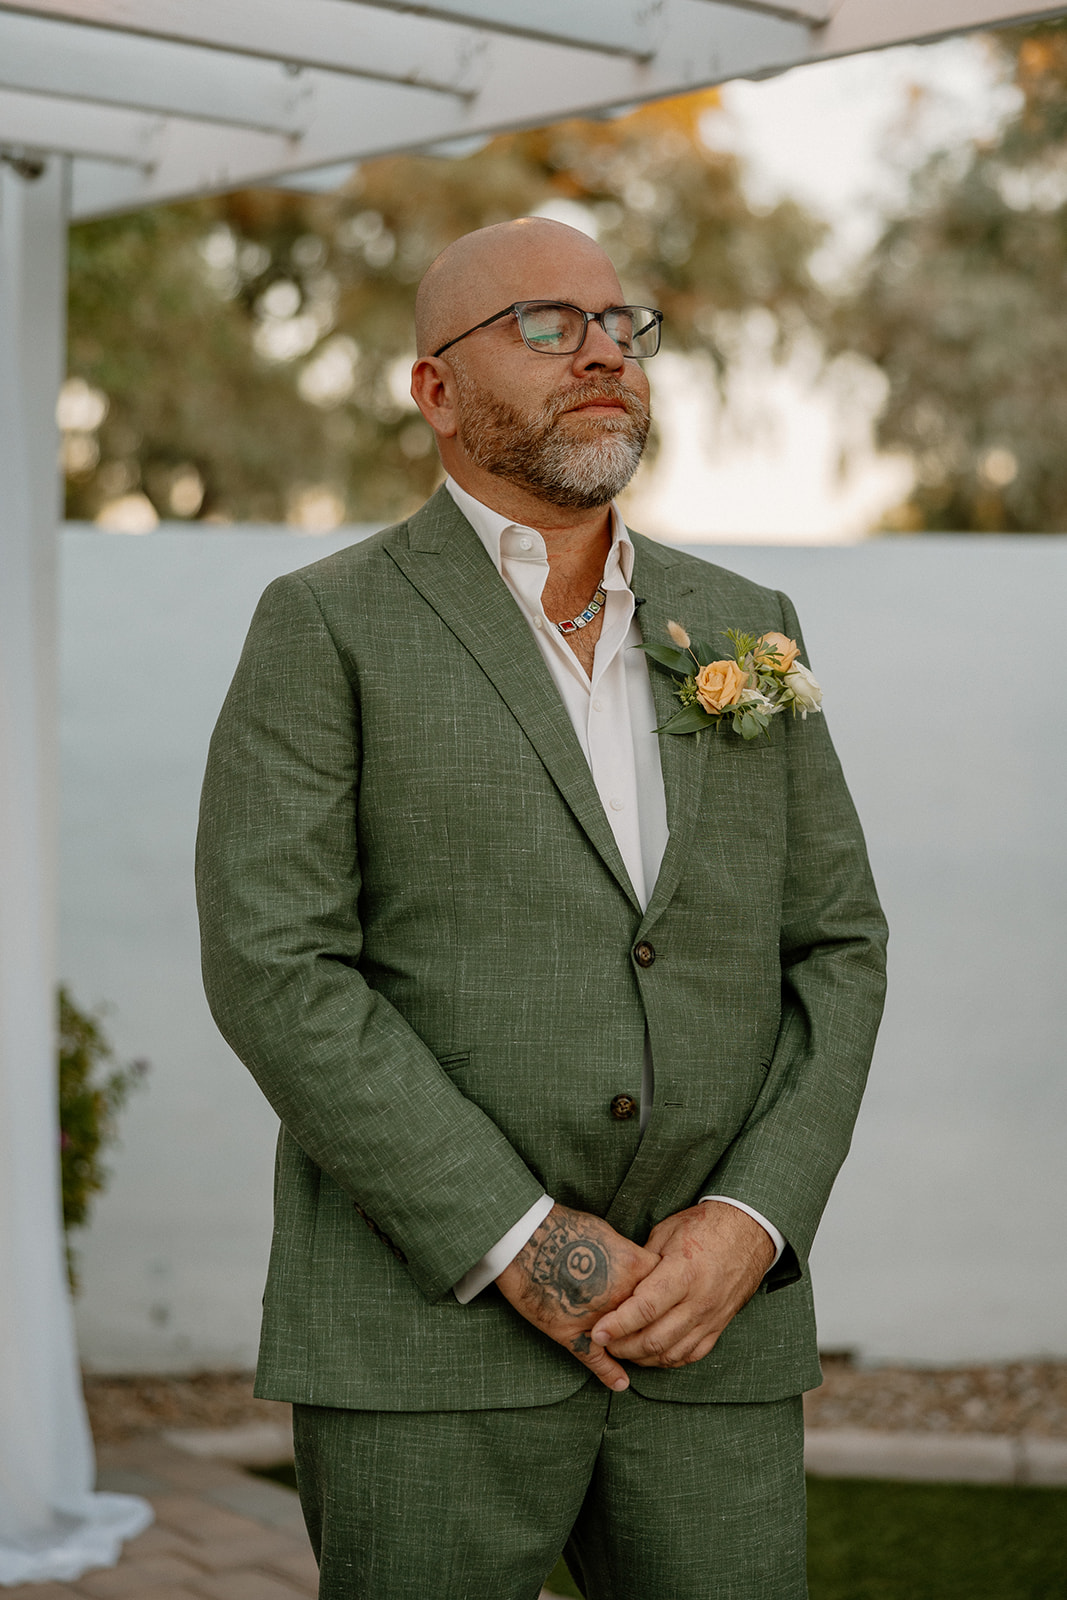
(573, 1269)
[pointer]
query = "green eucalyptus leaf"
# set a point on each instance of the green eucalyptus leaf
(691, 719)
(669, 656)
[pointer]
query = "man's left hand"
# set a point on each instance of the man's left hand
(713, 1258)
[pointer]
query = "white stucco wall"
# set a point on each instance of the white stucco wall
(939, 659)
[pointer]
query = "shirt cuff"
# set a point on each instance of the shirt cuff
(777, 1239)
(503, 1253)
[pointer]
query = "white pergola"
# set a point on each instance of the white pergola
(111, 105)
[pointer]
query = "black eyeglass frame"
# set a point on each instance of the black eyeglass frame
(519, 306)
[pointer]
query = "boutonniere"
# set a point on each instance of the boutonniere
(744, 691)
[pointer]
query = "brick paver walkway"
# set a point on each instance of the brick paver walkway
(219, 1534)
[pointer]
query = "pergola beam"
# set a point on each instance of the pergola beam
(333, 35)
(528, 82)
(813, 12)
(46, 57)
(39, 123)
(616, 27)
(858, 25)
(184, 97)
(848, 25)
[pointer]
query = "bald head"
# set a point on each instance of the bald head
(531, 258)
(531, 435)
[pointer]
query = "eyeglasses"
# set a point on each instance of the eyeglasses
(555, 329)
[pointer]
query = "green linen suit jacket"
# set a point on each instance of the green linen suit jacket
(419, 935)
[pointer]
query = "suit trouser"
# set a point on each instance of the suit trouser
(650, 1500)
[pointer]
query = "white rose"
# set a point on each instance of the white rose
(755, 701)
(803, 687)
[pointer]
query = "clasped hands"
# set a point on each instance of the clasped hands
(607, 1300)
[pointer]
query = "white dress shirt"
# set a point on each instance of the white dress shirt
(614, 718)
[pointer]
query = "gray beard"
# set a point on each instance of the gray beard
(533, 454)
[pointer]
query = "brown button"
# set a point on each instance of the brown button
(623, 1107)
(644, 954)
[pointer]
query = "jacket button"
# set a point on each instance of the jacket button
(623, 1107)
(644, 954)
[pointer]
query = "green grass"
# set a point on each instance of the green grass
(560, 1582)
(917, 1541)
(922, 1541)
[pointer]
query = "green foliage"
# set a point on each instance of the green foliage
(669, 656)
(88, 1107)
(257, 344)
(962, 308)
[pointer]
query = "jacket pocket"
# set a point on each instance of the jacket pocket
(455, 1060)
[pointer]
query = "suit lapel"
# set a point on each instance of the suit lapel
(692, 766)
(683, 762)
(440, 554)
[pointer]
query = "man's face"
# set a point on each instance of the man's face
(578, 449)
(568, 429)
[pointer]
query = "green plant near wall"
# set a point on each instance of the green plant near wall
(89, 1104)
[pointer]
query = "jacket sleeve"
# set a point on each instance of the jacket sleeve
(278, 885)
(832, 946)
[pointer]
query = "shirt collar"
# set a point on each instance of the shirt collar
(490, 526)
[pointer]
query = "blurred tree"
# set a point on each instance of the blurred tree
(962, 307)
(247, 357)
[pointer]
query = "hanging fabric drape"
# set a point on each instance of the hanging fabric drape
(52, 1526)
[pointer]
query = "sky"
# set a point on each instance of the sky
(841, 137)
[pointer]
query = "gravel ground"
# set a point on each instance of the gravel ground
(122, 1408)
(1021, 1397)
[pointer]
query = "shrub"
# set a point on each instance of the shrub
(88, 1108)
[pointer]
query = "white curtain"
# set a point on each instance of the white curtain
(52, 1526)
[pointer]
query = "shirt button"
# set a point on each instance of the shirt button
(538, 622)
(526, 543)
(623, 1107)
(644, 954)
(617, 804)
(598, 705)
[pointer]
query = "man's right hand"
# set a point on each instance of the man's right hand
(572, 1271)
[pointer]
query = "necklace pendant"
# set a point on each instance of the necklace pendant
(584, 618)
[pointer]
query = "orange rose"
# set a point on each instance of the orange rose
(787, 649)
(720, 684)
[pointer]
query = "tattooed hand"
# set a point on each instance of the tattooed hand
(573, 1271)
(712, 1261)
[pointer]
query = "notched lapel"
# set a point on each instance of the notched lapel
(444, 559)
(684, 770)
(697, 772)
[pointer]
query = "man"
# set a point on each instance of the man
(566, 1024)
